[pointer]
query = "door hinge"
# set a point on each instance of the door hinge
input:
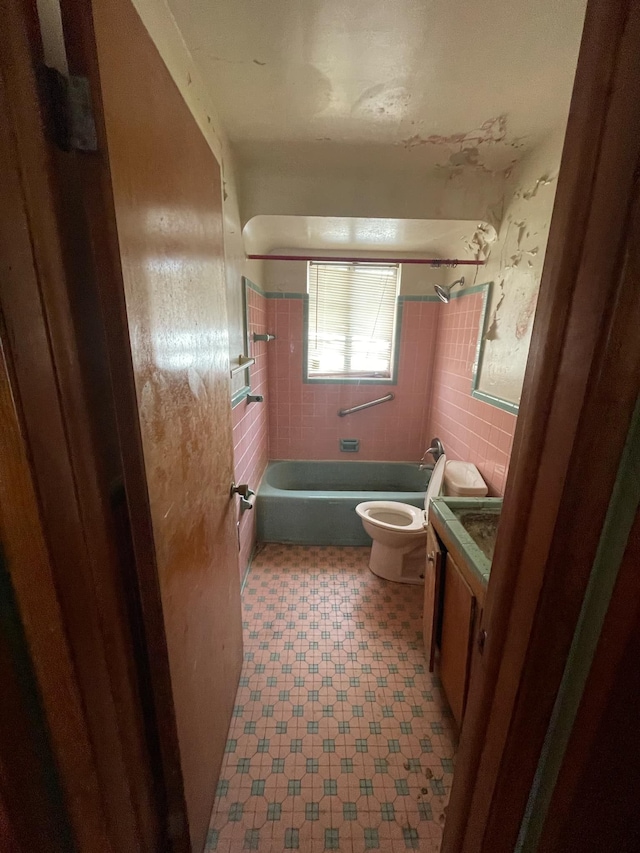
(69, 110)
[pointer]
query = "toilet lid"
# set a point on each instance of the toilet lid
(435, 483)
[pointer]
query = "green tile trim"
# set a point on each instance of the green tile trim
(240, 395)
(475, 288)
(498, 402)
(276, 294)
(477, 393)
(410, 297)
(253, 286)
(443, 507)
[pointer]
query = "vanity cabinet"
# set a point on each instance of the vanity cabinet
(453, 601)
(458, 620)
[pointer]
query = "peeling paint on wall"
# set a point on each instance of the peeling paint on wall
(470, 155)
(491, 333)
(480, 243)
(514, 264)
(544, 181)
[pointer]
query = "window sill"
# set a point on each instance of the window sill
(349, 380)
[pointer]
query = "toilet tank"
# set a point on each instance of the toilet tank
(463, 480)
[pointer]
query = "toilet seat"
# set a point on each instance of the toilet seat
(401, 517)
(393, 515)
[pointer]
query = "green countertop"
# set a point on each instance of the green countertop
(451, 512)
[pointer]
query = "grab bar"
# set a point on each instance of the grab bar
(344, 412)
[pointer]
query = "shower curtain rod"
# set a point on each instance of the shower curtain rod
(436, 262)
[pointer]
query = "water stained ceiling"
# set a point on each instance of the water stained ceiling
(406, 74)
(393, 110)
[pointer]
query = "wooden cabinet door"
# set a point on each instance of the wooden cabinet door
(432, 576)
(457, 630)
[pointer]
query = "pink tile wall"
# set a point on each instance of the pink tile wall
(303, 419)
(250, 426)
(469, 429)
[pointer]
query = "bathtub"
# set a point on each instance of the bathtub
(314, 503)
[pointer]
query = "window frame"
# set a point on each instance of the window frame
(342, 379)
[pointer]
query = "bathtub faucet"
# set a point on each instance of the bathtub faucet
(436, 450)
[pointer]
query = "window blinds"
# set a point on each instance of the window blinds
(352, 310)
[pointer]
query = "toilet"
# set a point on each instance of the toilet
(399, 532)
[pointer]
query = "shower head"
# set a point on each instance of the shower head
(444, 292)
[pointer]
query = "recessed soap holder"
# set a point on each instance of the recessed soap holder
(349, 445)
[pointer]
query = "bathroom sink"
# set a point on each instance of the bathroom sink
(482, 526)
(472, 523)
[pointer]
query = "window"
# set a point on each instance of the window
(352, 318)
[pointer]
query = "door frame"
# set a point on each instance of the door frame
(581, 347)
(580, 390)
(121, 772)
(598, 811)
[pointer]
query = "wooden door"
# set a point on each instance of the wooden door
(432, 576)
(167, 199)
(58, 459)
(582, 383)
(457, 630)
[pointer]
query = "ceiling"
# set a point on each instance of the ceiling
(407, 73)
(442, 238)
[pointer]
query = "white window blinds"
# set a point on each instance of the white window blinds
(352, 312)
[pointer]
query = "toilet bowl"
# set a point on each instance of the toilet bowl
(399, 532)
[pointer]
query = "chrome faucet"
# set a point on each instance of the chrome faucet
(436, 450)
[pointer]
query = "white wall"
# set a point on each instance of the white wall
(370, 181)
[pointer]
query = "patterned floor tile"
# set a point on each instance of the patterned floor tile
(340, 737)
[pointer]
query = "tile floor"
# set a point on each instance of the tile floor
(340, 739)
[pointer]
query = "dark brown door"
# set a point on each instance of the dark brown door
(167, 197)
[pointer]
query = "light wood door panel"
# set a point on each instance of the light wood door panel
(432, 578)
(457, 629)
(168, 203)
